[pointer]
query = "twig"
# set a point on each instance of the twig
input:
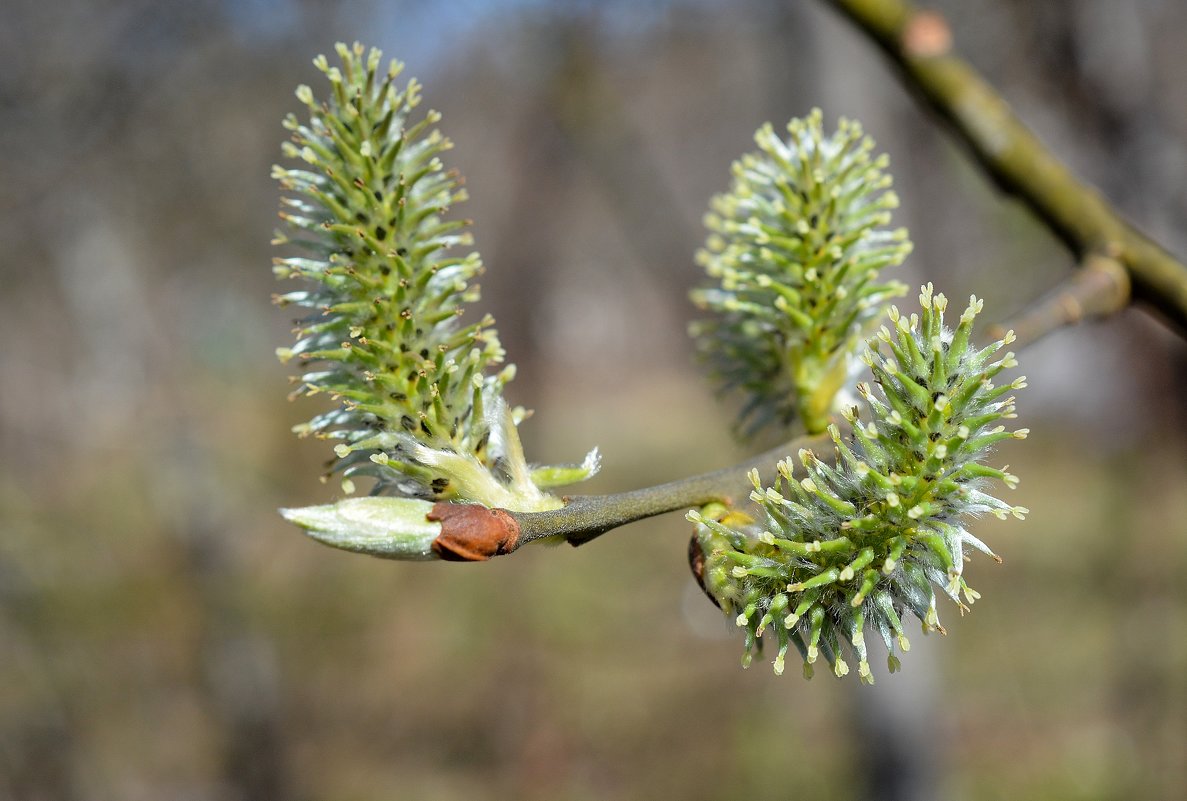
(586, 517)
(919, 44)
(1098, 289)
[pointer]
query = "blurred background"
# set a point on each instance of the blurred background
(165, 635)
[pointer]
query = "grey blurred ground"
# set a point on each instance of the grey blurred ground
(164, 635)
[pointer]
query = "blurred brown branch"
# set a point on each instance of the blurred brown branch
(919, 44)
(1099, 288)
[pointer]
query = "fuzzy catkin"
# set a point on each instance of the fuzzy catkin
(796, 248)
(419, 392)
(862, 542)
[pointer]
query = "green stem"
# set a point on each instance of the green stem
(586, 517)
(918, 44)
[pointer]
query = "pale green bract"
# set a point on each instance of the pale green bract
(390, 528)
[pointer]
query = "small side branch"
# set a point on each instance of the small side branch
(1100, 288)
(586, 517)
(919, 44)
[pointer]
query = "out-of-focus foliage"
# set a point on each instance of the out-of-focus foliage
(164, 634)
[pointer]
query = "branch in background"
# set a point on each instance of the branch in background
(919, 44)
(1100, 288)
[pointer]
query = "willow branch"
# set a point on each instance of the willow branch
(586, 517)
(919, 44)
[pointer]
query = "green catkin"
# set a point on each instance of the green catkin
(914, 469)
(385, 273)
(796, 248)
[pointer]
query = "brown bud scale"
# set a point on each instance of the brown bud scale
(473, 533)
